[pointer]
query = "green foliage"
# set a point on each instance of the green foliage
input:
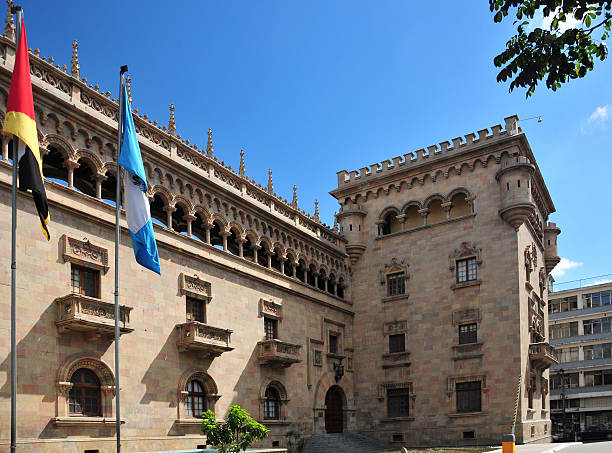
(237, 433)
(552, 54)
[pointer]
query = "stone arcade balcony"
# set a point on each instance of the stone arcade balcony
(276, 353)
(210, 341)
(542, 355)
(94, 317)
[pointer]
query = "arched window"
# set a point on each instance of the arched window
(272, 404)
(84, 397)
(460, 206)
(390, 224)
(195, 400)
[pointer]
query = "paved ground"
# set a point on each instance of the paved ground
(343, 443)
(590, 447)
(551, 448)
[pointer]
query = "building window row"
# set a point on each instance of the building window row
(589, 300)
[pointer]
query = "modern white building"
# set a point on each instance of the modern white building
(580, 324)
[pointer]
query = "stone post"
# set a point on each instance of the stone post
(99, 179)
(70, 166)
(189, 218)
(424, 213)
(169, 210)
(447, 208)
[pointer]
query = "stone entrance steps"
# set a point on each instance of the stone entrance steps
(344, 443)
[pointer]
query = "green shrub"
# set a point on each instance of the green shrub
(237, 433)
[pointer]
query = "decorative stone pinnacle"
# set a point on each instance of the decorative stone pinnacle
(9, 24)
(294, 202)
(75, 68)
(335, 221)
(316, 213)
(209, 145)
(270, 184)
(128, 85)
(171, 122)
(241, 168)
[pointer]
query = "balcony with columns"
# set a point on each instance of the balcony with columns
(278, 354)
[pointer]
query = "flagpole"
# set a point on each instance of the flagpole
(19, 12)
(117, 236)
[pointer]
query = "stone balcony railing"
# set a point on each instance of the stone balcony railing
(278, 353)
(95, 317)
(210, 341)
(542, 355)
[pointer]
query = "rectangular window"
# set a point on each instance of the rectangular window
(571, 381)
(568, 355)
(396, 284)
(195, 310)
(398, 402)
(468, 333)
(563, 305)
(85, 281)
(466, 270)
(565, 330)
(333, 343)
(271, 328)
(468, 396)
(596, 378)
(397, 343)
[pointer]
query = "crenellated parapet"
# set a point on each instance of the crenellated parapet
(421, 156)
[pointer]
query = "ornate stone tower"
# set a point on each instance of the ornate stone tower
(350, 218)
(551, 255)
(514, 179)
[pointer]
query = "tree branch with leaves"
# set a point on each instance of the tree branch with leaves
(566, 49)
(238, 432)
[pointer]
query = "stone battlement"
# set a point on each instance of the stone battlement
(434, 152)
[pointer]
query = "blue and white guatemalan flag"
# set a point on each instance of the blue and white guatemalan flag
(135, 187)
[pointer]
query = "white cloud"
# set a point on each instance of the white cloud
(601, 282)
(600, 115)
(539, 21)
(564, 266)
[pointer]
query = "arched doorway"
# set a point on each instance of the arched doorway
(334, 413)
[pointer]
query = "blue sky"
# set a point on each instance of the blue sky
(310, 88)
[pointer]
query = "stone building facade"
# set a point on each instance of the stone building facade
(311, 328)
(450, 250)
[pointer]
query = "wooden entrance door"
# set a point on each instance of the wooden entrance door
(333, 412)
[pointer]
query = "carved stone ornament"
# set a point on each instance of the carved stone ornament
(195, 287)
(542, 277)
(394, 267)
(396, 326)
(465, 251)
(465, 316)
(270, 308)
(84, 253)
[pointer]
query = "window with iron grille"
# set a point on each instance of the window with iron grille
(272, 404)
(468, 333)
(398, 402)
(85, 281)
(195, 310)
(195, 401)
(396, 284)
(466, 270)
(84, 396)
(397, 343)
(468, 396)
(270, 328)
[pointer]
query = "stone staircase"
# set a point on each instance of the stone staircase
(344, 443)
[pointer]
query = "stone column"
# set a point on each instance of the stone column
(424, 213)
(207, 228)
(70, 166)
(224, 236)
(294, 269)
(169, 210)
(99, 180)
(282, 264)
(241, 242)
(402, 220)
(269, 255)
(470, 202)
(325, 280)
(255, 248)
(379, 224)
(447, 208)
(316, 279)
(189, 218)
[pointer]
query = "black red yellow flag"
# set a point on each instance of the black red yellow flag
(21, 122)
